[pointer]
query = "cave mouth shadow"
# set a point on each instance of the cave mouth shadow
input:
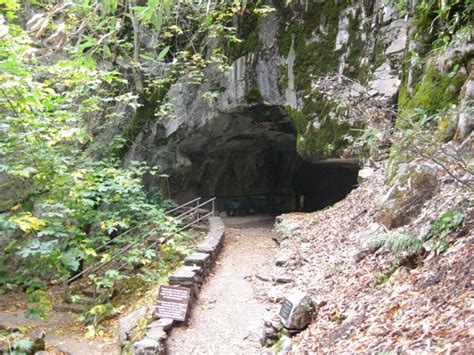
(250, 164)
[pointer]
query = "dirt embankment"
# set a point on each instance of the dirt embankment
(380, 300)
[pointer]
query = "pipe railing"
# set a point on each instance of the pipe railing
(190, 211)
(116, 239)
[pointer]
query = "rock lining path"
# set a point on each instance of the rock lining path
(228, 316)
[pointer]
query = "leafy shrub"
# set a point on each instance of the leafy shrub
(447, 223)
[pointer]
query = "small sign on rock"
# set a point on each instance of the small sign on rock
(173, 302)
(286, 308)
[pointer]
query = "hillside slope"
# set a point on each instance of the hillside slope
(367, 302)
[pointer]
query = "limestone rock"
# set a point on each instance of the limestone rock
(165, 323)
(466, 110)
(385, 82)
(148, 346)
(414, 184)
(285, 228)
(127, 323)
(282, 257)
(275, 295)
(399, 43)
(156, 333)
(365, 173)
(282, 278)
(301, 312)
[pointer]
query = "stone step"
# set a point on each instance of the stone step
(200, 227)
(211, 244)
(69, 308)
(200, 259)
(86, 301)
(89, 292)
(186, 276)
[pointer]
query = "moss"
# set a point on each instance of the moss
(296, 30)
(299, 119)
(313, 37)
(283, 76)
(253, 95)
(354, 69)
(446, 127)
(323, 142)
(434, 93)
(318, 57)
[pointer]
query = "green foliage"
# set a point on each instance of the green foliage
(38, 304)
(362, 140)
(400, 242)
(23, 346)
(96, 315)
(62, 204)
(435, 92)
(446, 224)
(444, 21)
(436, 240)
(386, 275)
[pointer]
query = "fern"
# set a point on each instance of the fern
(398, 242)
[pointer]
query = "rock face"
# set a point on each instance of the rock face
(413, 186)
(301, 312)
(269, 117)
(466, 109)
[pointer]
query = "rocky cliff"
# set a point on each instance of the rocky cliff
(311, 82)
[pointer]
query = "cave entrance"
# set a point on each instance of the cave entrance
(248, 161)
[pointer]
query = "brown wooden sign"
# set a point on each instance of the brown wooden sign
(173, 302)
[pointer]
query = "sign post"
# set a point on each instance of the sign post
(173, 302)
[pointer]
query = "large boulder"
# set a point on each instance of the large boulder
(287, 226)
(414, 184)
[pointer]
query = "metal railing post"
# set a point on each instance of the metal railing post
(213, 206)
(197, 209)
(66, 289)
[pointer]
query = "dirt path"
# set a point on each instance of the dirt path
(227, 318)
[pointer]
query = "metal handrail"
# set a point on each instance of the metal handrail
(183, 205)
(136, 226)
(192, 209)
(94, 268)
(121, 251)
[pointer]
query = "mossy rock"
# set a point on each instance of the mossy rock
(319, 141)
(412, 187)
(434, 93)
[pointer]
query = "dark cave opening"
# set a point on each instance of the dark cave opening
(248, 161)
